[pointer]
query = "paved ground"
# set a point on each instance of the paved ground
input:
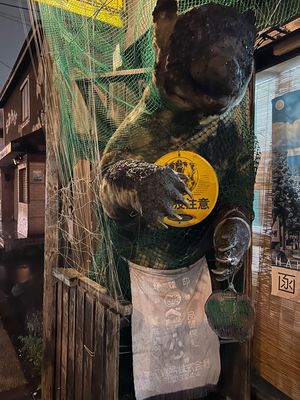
(21, 393)
(11, 374)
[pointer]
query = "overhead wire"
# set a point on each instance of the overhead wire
(5, 65)
(13, 6)
(24, 22)
(13, 18)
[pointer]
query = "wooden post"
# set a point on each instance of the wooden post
(236, 357)
(82, 215)
(51, 232)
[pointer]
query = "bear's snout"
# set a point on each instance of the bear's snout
(219, 74)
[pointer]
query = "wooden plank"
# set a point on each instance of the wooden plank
(124, 309)
(51, 229)
(98, 374)
(91, 286)
(125, 73)
(112, 327)
(64, 342)
(71, 343)
(67, 275)
(111, 76)
(71, 277)
(286, 45)
(58, 341)
(82, 215)
(49, 329)
(79, 344)
(135, 31)
(88, 348)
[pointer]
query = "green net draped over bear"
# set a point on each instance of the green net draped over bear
(103, 63)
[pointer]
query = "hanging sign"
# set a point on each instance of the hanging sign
(108, 12)
(286, 283)
(202, 181)
(286, 196)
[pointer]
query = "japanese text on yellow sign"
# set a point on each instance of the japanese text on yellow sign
(202, 182)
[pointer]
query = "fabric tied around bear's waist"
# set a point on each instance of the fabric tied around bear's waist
(175, 352)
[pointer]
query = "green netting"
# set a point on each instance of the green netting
(93, 102)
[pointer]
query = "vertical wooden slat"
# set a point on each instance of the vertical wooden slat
(87, 338)
(71, 344)
(49, 345)
(112, 328)
(64, 342)
(58, 341)
(98, 373)
(88, 348)
(79, 344)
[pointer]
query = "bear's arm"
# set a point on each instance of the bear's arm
(131, 183)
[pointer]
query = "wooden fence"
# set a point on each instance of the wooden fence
(86, 340)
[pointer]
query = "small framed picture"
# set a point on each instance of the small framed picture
(37, 175)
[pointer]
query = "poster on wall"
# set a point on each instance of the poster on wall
(286, 196)
(37, 176)
(37, 172)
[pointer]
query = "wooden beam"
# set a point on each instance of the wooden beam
(51, 234)
(82, 216)
(111, 76)
(125, 73)
(287, 45)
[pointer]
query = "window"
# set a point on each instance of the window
(23, 186)
(25, 100)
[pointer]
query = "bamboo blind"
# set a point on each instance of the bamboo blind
(276, 355)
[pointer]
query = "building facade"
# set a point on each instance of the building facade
(23, 150)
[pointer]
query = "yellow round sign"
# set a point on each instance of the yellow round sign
(202, 181)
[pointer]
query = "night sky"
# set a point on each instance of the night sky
(14, 26)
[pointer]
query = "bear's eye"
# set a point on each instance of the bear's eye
(245, 44)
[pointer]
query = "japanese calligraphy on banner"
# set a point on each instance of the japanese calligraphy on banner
(286, 195)
(108, 12)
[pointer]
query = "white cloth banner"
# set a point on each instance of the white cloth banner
(174, 349)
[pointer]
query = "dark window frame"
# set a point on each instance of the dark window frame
(25, 100)
(23, 185)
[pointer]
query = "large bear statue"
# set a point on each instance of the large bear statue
(204, 61)
(203, 65)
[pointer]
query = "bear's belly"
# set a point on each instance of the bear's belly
(170, 248)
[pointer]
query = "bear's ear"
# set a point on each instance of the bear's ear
(164, 19)
(250, 16)
(164, 9)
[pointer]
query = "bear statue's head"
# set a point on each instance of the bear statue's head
(204, 57)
